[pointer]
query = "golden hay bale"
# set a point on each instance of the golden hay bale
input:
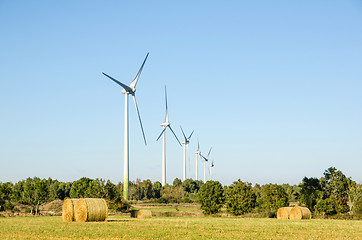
(141, 213)
(283, 212)
(91, 209)
(300, 213)
(68, 209)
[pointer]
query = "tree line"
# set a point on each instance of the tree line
(331, 194)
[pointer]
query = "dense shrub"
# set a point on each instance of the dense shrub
(273, 196)
(120, 205)
(173, 194)
(240, 198)
(326, 206)
(211, 197)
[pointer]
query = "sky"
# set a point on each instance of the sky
(274, 87)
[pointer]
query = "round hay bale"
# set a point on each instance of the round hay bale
(283, 212)
(141, 213)
(300, 213)
(68, 209)
(144, 214)
(91, 209)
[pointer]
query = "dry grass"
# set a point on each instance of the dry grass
(179, 228)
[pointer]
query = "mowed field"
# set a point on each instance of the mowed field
(122, 227)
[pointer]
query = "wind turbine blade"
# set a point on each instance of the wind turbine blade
(128, 89)
(198, 145)
(183, 134)
(174, 135)
(209, 153)
(191, 135)
(161, 134)
(166, 119)
(134, 82)
(139, 117)
(205, 159)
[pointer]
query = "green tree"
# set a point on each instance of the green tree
(177, 182)
(257, 191)
(54, 190)
(34, 192)
(64, 190)
(17, 191)
(28, 194)
(211, 196)
(6, 192)
(86, 187)
(273, 196)
(293, 192)
(310, 192)
(111, 191)
(190, 186)
(96, 189)
(240, 198)
(146, 189)
(157, 187)
(41, 193)
(173, 194)
(355, 197)
(326, 206)
(335, 186)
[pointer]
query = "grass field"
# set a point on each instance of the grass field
(122, 227)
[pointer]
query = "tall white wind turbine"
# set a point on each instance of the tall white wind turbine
(206, 159)
(197, 153)
(165, 124)
(131, 89)
(186, 143)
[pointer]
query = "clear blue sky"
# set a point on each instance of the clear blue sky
(273, 86)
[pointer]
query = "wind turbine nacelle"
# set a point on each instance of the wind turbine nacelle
(124, 91)
(165, 124)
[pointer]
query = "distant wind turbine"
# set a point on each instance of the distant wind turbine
(211, 167)
(185, 142)
(206, 159)
(165, 124)
(197, 153)
(131, 89)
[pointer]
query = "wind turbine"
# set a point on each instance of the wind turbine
(131, 89)
(211, 167)
(165, 124)
(185, 142)
(205, 160)
(197, 153)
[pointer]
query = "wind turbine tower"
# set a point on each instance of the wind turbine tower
(164, 125)
(185, 142)
(206, 159)
(197, 153)
(131, 89)
(211, 167)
